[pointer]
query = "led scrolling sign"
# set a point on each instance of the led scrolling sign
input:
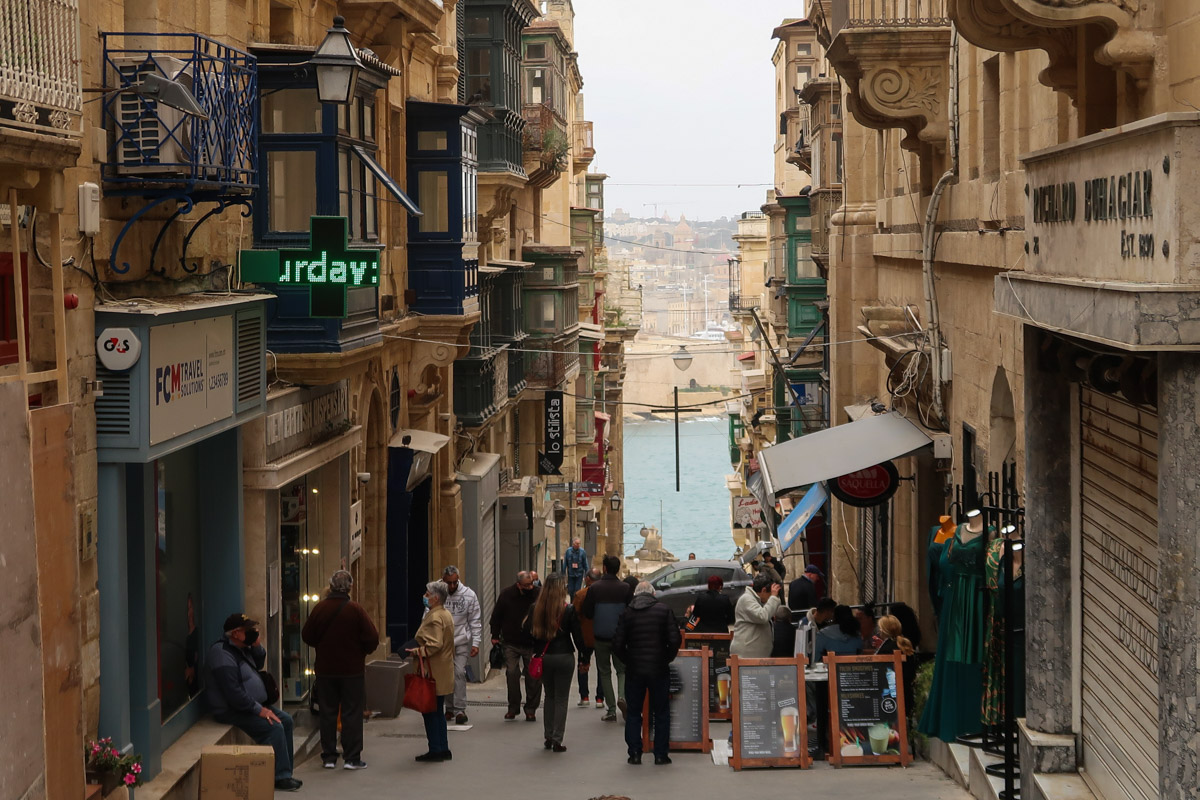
(329, 267)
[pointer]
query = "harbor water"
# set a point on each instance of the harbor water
(696, 518)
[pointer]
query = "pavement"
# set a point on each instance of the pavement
(499, 759)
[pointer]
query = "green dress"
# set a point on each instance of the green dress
(955, 696)
(993, 687)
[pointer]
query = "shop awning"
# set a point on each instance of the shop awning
(387, 180)
(795, 523)
(747, 356)
(839, 451)
(423, 441)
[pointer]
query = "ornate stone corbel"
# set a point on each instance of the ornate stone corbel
(443, 340)
(502, 205)
(991, 25)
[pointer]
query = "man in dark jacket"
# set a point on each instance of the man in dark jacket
(647, 640)
(237, 696)
(512, 606)
(343, 636)
(802, 593)
(603, 605)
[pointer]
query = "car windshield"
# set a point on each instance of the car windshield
(658, 573)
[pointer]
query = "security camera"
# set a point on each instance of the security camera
(364, 477)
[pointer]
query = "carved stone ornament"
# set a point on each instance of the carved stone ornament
(25, 112)
(444, 340)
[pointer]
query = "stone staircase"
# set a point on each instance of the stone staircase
(967, 767)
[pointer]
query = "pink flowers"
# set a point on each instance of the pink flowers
(130, 779)
(102, 757)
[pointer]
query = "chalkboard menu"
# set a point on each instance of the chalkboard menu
(770, 713)
(689, 704)
(720, 681)
(866, 709)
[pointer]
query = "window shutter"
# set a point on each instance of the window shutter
(251, 366)
(113, 416)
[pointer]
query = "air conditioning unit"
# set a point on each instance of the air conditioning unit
(152, 139)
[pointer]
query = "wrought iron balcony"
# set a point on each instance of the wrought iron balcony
(824, 203)
(39, 66)
(557, 363)
(894, 56)
(156, 149)
(547, 146)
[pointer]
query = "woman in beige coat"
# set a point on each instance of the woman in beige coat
(435, 638)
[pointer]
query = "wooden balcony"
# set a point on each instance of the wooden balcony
(546, 145)
(583, 147)
(824, 203)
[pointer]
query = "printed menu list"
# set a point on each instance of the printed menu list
(769, 711)
(686, 704)
(869, 723)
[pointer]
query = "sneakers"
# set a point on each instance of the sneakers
(559, 748)
(660, 760)
(599, 702)
(609, 717)
(431, 756)
(288, 785)
(460, 719)
(621, 704)
(360, 764)
(330, 764)
(449, 716)
(584, 702)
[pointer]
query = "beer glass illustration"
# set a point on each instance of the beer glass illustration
(789, 723)
(724, 682)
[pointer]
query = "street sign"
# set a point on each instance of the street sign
(590, 486)
(558, 487)
(582, 499)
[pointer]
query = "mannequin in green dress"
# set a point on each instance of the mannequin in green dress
(953, 706)
(993, 689)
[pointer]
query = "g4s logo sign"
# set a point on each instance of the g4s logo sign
(118, 348)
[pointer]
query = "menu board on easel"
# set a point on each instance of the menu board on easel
(720, 682)
(689, 704)
(866, 710)
(770, 713)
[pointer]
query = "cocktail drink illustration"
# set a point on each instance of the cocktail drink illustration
(724, 681)
(878, 735)
(789, 723)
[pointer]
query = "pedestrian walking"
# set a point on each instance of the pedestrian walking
(512, 606)
(557, 635)
(576, 561)
(343, 636)
(589, 639)
(237, 696)
(647, 640)
(802, 592)
(435, 642)
(605, 601)
(752, 619)
(464, 609)
(713, 610)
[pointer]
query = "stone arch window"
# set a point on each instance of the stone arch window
(1002, 431)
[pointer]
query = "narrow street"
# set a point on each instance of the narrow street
(499, 758)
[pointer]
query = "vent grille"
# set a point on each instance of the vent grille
(249, 359)
(113, 417)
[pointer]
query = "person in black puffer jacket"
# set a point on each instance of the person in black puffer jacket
(712, 609)
(647, 641)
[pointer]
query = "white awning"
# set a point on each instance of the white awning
(424, 441)
(839, 451)
(588, 330)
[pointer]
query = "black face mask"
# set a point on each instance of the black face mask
(251, 638)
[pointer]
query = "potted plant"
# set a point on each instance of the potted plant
(107, 767)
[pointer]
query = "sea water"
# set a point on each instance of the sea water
(696, 518)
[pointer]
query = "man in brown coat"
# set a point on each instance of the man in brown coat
(343, 636)
(589, 638)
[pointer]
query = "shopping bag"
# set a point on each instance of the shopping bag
(497, 656)
(420, 689)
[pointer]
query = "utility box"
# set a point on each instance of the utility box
(237, 772)
(385, 685)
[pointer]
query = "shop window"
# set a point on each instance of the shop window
(293, 191)
(535, 52)
(300, 580)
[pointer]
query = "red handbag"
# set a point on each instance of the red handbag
(420, 689)
(536, 666)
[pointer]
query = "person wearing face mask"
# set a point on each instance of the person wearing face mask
(237, 696)
(507, 621)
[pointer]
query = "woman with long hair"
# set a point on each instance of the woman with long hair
(557, 635)
(893, 640)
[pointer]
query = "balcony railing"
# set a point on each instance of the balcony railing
(824, 203)
(546, 143)
(39, 66)
(887, 14)
(549, 368)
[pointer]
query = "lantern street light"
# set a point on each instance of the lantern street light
(337, 65)
(682, 358)
(614, 502)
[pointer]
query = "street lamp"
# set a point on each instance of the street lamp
(614, 502)
(337, 65)
(682, 358)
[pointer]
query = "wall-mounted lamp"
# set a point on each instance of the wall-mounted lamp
(337, 65)
(614, 502)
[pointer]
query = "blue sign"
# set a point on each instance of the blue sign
(812, 502)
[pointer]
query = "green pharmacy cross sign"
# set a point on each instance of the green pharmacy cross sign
(328, 267)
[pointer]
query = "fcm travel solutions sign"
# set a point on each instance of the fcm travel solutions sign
(191, 376)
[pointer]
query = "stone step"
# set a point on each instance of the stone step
(980, 783)
(1060, 786)
(952, 759)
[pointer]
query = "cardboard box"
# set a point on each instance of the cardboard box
(237, 772)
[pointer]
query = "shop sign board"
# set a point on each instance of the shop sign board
(868, 723)
(719, 679)
(191, 376)
(868, 487)
(770, 713)
(551, 459)
(689, 704)
(747, 512)
(301, 419)
(328, 267)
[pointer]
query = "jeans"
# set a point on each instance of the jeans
(458, 701)
(574, 584)
(659, 689)
(516, 665)
(262, 731)
(435, 727)
(605, 662)
(556, 679)
(583, 685)
(348, 694)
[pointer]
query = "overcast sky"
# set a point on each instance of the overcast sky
(681, 92)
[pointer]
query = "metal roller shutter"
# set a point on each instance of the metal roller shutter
(1119, 582)
(486, 589)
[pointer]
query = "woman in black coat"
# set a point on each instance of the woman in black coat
(713, 609)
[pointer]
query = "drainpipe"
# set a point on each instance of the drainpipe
(928, 245)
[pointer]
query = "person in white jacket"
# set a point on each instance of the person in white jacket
(752, 619)
(464, 609)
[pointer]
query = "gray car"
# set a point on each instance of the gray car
(677, 584)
